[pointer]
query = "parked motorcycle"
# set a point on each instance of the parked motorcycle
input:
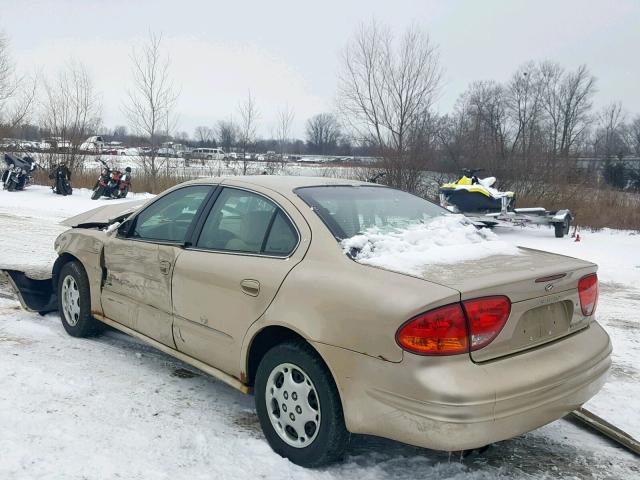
(112, 183)
(61, 176)
(18, 172)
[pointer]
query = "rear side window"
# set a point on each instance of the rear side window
(282, 237)
(246, 222)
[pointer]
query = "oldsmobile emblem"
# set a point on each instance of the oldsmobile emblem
(549, 287)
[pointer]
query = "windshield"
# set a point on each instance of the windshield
(349, 210)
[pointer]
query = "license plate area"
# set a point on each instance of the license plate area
(544, 322)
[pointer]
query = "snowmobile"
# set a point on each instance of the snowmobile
(18, 172)
(485, 206)
(61, 176)
(112, 183)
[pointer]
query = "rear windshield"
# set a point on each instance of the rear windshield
(348, 210)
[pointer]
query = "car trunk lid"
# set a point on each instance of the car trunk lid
(542, 288)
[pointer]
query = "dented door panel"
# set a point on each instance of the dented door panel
(137, 286)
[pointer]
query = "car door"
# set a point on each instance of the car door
(245, 247)
(139, 261)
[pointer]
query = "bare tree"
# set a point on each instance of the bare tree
(633, 135)
(203, 135)
(323, 132)
(71, 112)
(609, 139)
(151, 101)
(567, 102)
(524, 105)
(284, 122)
(17, 93)
(248, 124)
(227, 133)
(386, 89)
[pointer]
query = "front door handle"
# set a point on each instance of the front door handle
(250, 287)
(165, 267)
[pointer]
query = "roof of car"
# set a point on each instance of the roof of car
(280, 182)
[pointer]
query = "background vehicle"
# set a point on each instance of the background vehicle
(207, 154)
(61, 176)
(93, 144)
(486, 206)
(18, 172)
(111, 183)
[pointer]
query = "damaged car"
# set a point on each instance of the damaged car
(248, 279)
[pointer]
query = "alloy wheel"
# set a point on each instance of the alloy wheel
(293, 405)
(70, 300)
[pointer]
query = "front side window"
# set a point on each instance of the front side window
(168, 219)
(246, 222)
(349, 210)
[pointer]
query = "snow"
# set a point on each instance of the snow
(113, 407)
(442, 240)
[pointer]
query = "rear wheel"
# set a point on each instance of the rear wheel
(562, 229)
(299, 407)
(74, 302)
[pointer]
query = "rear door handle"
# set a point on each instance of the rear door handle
(250, 287)
(165, 267)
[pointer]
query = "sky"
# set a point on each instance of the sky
(287, 53)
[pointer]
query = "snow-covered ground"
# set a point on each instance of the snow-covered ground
(112, 407)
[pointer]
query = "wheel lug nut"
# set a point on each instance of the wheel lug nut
(284, 407)
(298, 410)
(286, 395)
(292, 416)
(294, 395)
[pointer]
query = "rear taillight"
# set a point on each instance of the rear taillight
(486, 318)
(588, 291)
(444, 330)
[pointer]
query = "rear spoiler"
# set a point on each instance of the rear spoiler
(34, 295)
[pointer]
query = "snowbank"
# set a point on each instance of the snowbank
(443, 240)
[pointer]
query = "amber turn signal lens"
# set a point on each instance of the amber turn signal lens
(442, 331)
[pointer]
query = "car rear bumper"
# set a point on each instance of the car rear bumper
(451, 403)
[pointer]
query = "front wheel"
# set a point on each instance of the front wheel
(74, 301)
(299, 407)
(97, 193)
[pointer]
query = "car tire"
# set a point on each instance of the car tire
(562, 229)
(74, 302)
(323, 438)
(97, 193)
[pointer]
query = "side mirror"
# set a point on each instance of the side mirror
(123, 229)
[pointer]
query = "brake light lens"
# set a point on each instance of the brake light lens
(588, 291)
(486, 317)
(442, 331)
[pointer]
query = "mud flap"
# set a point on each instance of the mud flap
(34, 295)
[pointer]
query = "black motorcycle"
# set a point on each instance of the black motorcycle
(18, 172)
(112, 183)
(61, 176)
